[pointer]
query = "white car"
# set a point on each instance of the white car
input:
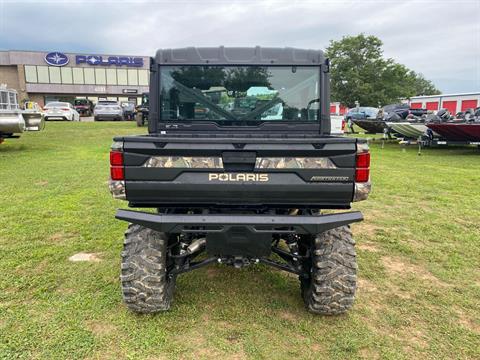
(61, 111)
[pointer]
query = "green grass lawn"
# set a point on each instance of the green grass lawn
(418, 253)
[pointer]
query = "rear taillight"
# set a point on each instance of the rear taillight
(362, 172)
(116, 165)
(116, 158)
(116, 173)
(363, 160)
(343, 125)
(362, 166)
(65, 109)
(362, 175)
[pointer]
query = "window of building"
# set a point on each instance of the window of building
(31, 74)
(132, 77)
(89, 76)
(111, 76)
(66, 75)
(78, 76)
(143, 77)
(122, 77)
(42, 72)
(94, 99)
(54, 73)
(100, 77)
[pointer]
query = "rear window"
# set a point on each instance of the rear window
(81, 102)
(233, 94)
(106, 102)
(57, 104)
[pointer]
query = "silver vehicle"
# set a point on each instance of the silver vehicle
(61, 111)
(12, 121)
(107, 110)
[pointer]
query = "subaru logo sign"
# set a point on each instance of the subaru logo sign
(56, 59)
(110, 60)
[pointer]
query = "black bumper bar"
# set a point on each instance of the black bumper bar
(283, 224)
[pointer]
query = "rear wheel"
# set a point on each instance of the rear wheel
(140, 119)
(330, 286)
(146, 287)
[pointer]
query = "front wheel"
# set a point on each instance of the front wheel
(146, 286)
(329, 288)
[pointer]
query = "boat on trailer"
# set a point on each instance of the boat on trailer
(464, 132)
(13, 120)
(371, 126)
(411, 130)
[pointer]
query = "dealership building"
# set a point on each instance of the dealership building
(55, 76)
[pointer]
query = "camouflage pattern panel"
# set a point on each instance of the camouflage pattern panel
(117, 189)
(294, 163)
(196, 162)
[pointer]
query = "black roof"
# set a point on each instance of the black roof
(239, 56)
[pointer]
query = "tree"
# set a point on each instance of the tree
(422, 86)
(359, 72)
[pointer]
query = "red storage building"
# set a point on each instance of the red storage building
(337, 109)
(452, 102)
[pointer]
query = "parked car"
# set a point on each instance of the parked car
(128, 110)
(361, 113)
(84, 107)
(107, 110)
(61, 111)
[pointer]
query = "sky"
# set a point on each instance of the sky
(438, 38)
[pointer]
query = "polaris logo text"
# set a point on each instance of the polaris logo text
(111, 60)
(238, 177)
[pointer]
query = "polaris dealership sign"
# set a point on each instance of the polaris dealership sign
(60, 59)
(110, 60)
(56, 59)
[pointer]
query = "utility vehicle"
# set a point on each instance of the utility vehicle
(240, 168)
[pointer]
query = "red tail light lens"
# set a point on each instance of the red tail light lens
(362, 172)
(343, 124)
(116, 165)
(116, 158)
(116, 173)
(362, 175)
(65, 109)
(363, 160)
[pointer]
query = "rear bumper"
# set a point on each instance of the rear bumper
(108, 116)
(57, 117)
(286, 224)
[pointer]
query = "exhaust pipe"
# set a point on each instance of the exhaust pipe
(196, 245)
